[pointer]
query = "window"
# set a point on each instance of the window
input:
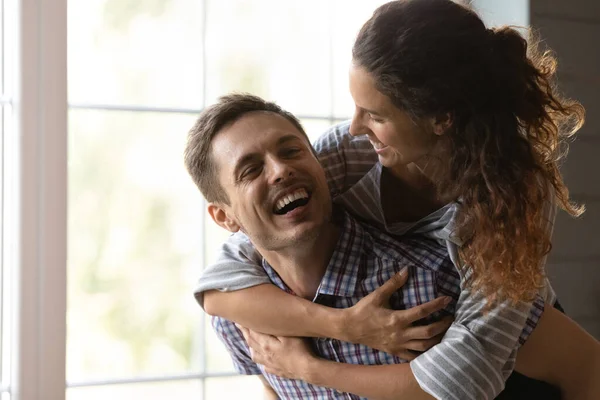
(139, 72)
(135, 225)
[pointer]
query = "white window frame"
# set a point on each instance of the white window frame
(36, 240)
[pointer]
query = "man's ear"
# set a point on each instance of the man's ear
(441, 123)
(222, 218)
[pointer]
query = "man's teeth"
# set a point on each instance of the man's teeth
(285, 200)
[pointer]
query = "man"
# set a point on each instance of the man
(270, 185)
(262, 177)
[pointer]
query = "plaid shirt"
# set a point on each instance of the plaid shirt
(363, 260)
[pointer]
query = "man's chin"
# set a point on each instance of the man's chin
(294, 238)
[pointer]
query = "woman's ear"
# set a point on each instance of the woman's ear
(222, 218)
(441, 123)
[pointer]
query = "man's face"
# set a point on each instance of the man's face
(277, 188)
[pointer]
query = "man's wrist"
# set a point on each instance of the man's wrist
(312, 370)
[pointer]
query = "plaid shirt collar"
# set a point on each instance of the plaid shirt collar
(342, 272)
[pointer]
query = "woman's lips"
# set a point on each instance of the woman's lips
(379, 147)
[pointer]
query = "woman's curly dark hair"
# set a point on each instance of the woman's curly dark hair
(509, 130)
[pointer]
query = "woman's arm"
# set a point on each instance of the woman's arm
(268, 309)
(563, 354)
(558, 352)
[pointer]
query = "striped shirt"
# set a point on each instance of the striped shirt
(478, 352)
(364, 258)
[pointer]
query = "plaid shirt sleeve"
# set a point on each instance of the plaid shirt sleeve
(234, 341)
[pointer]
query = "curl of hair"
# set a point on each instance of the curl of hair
(505, 169)
(509, 131)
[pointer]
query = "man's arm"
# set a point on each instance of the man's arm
(292, 358)
(269, 392)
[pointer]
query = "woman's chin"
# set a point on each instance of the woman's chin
(389, 161)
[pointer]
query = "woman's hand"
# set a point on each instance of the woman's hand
(287, 357)
(371, 322)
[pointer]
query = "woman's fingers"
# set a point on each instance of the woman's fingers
(424, 310)
(383, 293)
(421, 346)
(425, 332)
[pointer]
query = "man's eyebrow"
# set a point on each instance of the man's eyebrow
(287, 138)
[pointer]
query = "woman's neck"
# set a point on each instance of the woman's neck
(407, 194)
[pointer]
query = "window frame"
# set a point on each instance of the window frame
(36, 168)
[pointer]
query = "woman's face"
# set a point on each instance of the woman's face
(397, 139)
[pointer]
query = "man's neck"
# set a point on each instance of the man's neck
(303, 265)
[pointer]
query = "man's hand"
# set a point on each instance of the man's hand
(371, 322)
(287, 357)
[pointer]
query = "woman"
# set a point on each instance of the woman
(467, 131)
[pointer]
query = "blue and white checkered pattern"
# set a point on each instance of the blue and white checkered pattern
(363, 260)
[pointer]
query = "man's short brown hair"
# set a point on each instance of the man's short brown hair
(198, 151)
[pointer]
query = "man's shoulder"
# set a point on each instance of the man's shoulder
(407, 248)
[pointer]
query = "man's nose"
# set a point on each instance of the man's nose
(280, 171)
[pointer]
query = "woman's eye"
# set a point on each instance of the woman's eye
(375, 119)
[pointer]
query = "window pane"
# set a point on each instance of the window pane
(180, 390)
(347, 22)
(315, 127)
(243, 387)
(276, 49)
(135, 246)
(136, 52)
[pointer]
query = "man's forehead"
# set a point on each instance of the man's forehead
(253, 133)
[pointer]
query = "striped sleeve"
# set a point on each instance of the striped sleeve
(238, 266)
(346, 159)
(477, 353)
